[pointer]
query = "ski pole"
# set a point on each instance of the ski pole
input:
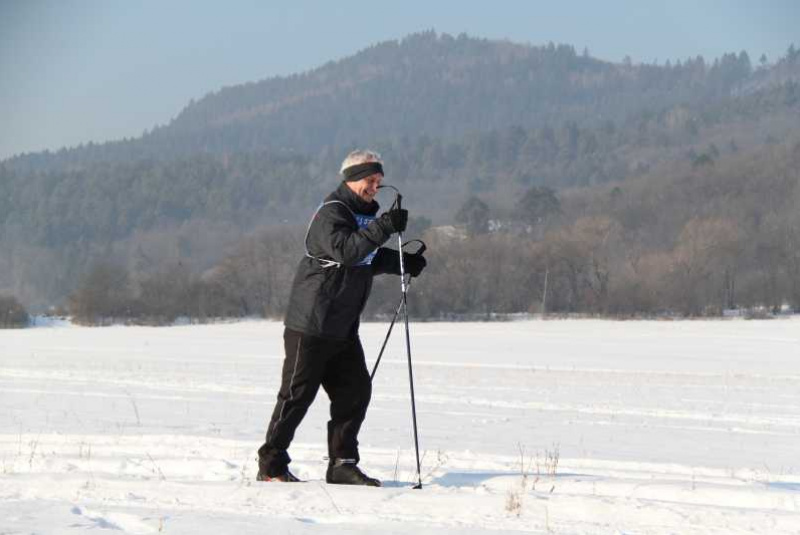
(404, 305)
(404, 288)
(421, 250)
(385, 340)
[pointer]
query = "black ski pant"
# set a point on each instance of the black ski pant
(339, 367)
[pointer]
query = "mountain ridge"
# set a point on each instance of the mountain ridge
(426, 84)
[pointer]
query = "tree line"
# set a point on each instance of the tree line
(692, 241)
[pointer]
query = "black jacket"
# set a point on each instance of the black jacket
(328, 301)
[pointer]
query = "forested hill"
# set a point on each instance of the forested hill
(432, 85)
(456, 119)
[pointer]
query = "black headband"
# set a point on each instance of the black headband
(362, 170)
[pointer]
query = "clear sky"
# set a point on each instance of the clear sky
(74, 71)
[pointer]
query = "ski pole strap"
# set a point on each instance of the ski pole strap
(323, 262)
(422, 247)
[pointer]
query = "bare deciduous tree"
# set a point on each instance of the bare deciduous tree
(103, 295)
(12, 314)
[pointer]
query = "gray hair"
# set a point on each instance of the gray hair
(360, 156)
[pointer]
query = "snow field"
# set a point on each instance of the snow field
(657, 427)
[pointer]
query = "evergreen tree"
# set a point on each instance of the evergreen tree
(474, 215)
(537, 205)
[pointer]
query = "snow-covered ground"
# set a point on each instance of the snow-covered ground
(536, 426)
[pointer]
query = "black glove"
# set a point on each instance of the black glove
(396, 219)
(414, 263)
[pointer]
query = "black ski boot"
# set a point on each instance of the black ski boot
(286, 477)
(345, 472)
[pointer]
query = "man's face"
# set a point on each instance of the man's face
(367, 187)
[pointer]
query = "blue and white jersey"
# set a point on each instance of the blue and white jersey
(363, 221)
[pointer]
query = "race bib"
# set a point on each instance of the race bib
(363, 221)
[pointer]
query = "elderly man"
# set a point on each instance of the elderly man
(321, 340)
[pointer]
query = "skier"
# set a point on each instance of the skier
(330, 289)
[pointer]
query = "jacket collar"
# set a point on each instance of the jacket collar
(357, 204)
